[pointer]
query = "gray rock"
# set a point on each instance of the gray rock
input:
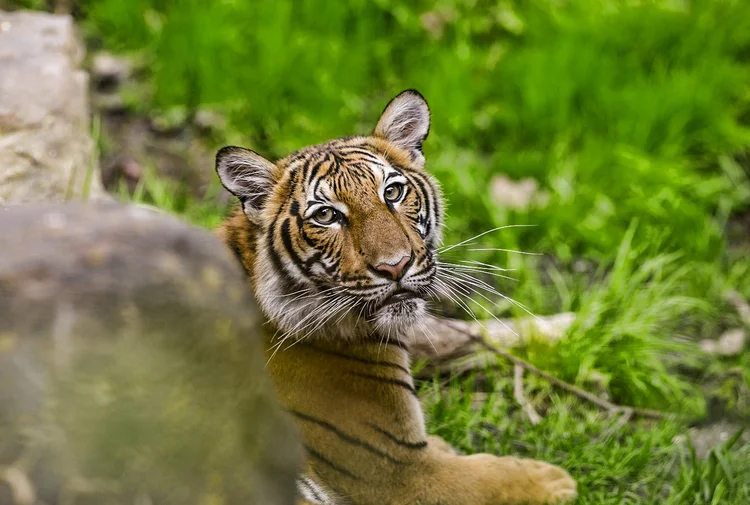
(45, 140)
(711, 436)
(731, 343)
(131, 368)
(110, 68)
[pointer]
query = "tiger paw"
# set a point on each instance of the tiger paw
(515, 481)
(541, 483)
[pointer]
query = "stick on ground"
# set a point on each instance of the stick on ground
(600, 402)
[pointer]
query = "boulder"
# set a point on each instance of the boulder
(46, 149)
(131, 368)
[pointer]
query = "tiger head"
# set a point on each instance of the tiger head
(341, 237)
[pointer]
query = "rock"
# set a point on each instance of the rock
(109, 70)
(207, 120)
(711, 436)
(45, 142)
(741, 306)
(131, 369)
(731, 343)
(516, 195)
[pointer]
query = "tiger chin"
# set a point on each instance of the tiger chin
(339, 241)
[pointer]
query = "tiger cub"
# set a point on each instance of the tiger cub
(339, 241)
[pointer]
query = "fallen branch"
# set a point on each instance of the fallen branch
(612, 408)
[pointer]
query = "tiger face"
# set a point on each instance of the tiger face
(344, 233)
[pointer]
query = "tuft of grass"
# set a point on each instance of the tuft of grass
(627, 330)
(715, 479)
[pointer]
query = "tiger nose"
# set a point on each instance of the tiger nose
(396, 271)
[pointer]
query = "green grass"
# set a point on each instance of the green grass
(631, 116)
(614, 463)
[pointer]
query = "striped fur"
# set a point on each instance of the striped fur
(339, 241)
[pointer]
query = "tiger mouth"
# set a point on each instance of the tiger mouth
(398, 296)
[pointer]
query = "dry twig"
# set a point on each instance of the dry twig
(534, 416)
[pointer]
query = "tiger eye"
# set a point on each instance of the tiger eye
(325, 215)
(393, 192)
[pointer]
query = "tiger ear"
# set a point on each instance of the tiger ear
(248, 176)
(406, 123)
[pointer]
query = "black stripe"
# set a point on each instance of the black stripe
(359, 360)
(335, 165)
(393, 438)
(286, 238)
(426, 197)
(393, 174)
(330, 464)
(287, 283)
(436, 201)
(301, 227)
(387, 380)
(294, 208)
(360, 151)
(317, 258)
(313, 174)
(343, 436)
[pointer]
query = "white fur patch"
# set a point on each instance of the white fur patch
(312, 492)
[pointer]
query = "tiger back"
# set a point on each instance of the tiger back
(339, 241)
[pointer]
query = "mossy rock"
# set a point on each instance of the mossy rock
(131, 368)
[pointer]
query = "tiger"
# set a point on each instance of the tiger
(339, 243)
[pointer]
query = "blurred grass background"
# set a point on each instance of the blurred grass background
(631, 117)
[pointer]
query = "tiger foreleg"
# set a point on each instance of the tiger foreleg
(483, 479)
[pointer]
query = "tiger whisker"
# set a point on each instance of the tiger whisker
(473, 281)
(323, 320)
(424, 329)
(488, 311)
(305, 323)
(505, 250)
(443, 250)
(465, 268)
(491, 267)
(447, 291)
(334, 291)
